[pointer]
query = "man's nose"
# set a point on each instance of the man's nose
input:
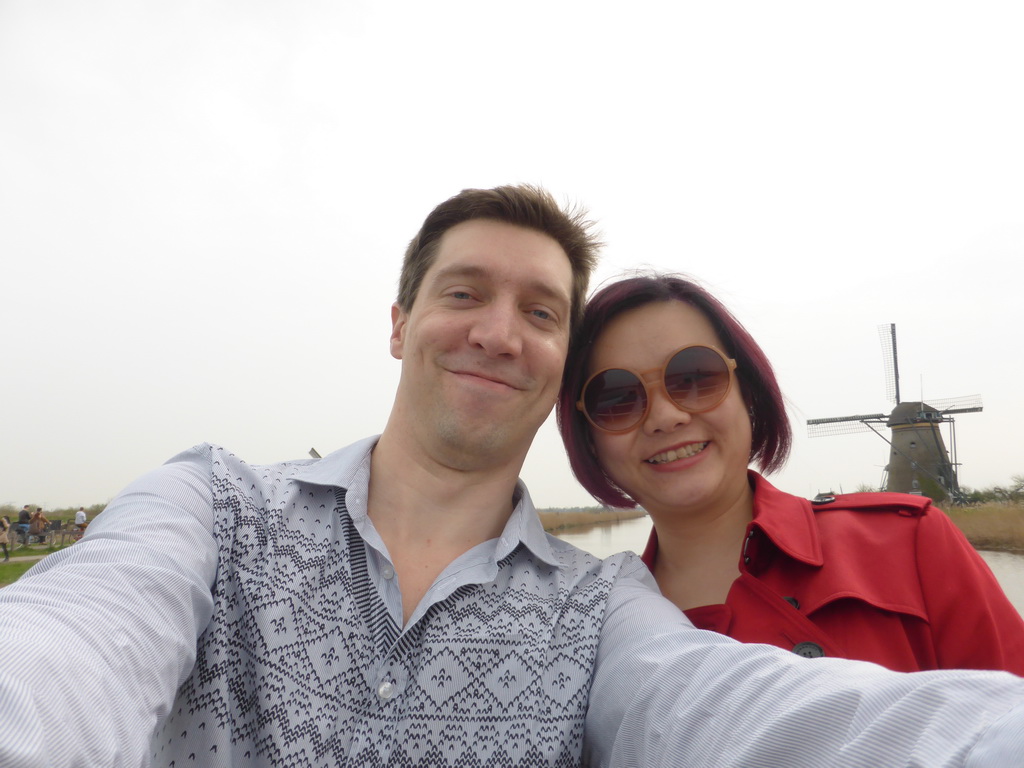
(496, 330)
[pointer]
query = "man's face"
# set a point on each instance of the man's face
(484, 344)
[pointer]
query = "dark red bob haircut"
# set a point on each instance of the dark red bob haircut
(771, 436)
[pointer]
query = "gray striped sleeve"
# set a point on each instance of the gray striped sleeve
(666, 694)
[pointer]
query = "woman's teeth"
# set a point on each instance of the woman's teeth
(684, 452)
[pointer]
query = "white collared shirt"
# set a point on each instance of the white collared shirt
(524, 651)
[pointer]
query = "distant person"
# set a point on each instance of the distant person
(24, 523)
(398, 603)
(667, 399)
(37, 525)
(5, 526)
(81, 518)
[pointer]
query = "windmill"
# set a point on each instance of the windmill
(918, 460)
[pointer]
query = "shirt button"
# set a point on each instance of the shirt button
(387, 572)
(809, 650)
(386, 690)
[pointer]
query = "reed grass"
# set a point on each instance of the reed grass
(995, 525)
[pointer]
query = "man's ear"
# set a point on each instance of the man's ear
(398, 323)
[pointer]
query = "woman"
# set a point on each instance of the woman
(37, 526)
(666, 400)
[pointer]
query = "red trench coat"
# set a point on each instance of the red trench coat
(883, 577)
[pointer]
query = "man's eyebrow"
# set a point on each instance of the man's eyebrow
(472, 271)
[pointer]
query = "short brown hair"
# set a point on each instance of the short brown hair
(522, 205)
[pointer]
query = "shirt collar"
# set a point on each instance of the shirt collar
(524, 526)
(347, 468)
(338, 469)
(787, 520)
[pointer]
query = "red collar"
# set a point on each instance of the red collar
(787, 520)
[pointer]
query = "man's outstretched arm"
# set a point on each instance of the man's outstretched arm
(105, 631)
(666, 694)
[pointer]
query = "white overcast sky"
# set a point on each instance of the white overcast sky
(203, 207)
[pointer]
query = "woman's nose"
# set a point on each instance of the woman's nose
(663, 415)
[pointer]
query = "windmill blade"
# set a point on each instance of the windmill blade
(890, 363)
(859, 417)
(838, 428)
(843, 425)
(966, 404)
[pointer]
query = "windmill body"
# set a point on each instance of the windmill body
(917, 453)
(919, 461)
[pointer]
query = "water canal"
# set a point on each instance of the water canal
(607, 539)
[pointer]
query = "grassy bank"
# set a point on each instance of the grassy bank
(991, 526)
(11, 572)
(561, 519)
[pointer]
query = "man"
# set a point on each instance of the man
(80, 518)
(398, 603)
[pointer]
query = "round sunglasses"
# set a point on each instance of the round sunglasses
(696, 378)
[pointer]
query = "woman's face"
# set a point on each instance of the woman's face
(712, 449)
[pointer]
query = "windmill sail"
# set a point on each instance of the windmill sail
(890, 362)
(843, 425)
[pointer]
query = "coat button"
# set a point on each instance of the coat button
(808, 650)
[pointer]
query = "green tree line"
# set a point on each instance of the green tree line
(1012, 493)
